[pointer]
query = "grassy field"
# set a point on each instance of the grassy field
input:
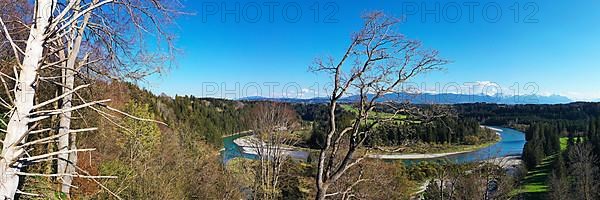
(535, 184)
(563, 143)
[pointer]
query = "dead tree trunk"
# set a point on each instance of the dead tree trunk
(20, 120)
(271, 123)
(67, 162)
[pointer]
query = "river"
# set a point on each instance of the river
(511, 143)
(231, 150)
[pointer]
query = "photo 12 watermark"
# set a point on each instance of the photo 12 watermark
(470, 11)
(417, 92)
(269, 11)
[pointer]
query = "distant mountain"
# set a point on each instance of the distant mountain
(286, 100)
(427, 98)
(448, 98)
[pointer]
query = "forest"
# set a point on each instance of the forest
(562, 144)
(573, 117)
(403, 131)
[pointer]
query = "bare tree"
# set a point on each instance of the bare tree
(380, 61)
(83, 40)
(472, 181)
(445, 183)
(273, 124)
(583, 170)
(18, 125)
(559, 187)
(67, 141)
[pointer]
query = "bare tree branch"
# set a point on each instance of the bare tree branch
(383, 59)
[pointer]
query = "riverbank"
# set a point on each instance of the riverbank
(438, 152)
(506, 161)
(412, 156)
(492, 128)
(513, 165)
(448, 151)
(252, 146)
(243, 133)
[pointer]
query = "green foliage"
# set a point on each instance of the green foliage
(448, 130)
(319, 114)
(542, 140)
(549, 129)
(60, 195)
(209, 119)
(559, 166)
(534, 185)
(116, 168)
(296, 180)
(424, 170)
(157, 162)
(141, 137)
(572, 118)
(469, 181)
(471, 140)
(386, 180)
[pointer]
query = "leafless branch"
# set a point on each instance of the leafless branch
(382, 60)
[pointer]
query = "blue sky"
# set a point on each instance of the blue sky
(553, 44)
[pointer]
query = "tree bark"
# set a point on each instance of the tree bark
(321, 191)
(321, 186)
(64, 127)
(67, 162)
(18, 125)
